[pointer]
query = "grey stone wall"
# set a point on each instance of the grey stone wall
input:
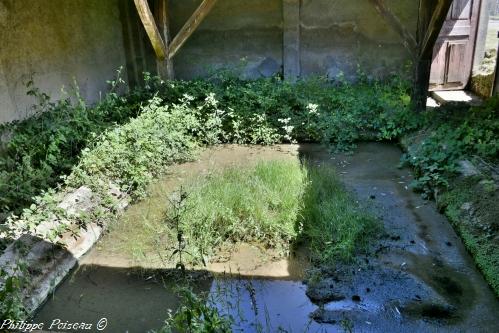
(55, 42)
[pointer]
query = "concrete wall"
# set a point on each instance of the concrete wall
(236, 33)
(335, 36)
(339, 35)
(55, 41)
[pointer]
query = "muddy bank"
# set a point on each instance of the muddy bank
(417, 276)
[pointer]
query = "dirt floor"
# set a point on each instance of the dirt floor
(416, 278)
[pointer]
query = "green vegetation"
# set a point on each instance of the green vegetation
(132, 154)
(128, 140)
(451, 134)
(257, 204)
(11, 305)
(196, 315)
(48, 145)
(335, 227)
(45, 146)
(471, 205)
(276, 204)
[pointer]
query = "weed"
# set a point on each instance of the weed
(196, 315)
(12, 284)
(176, 209)
(253, 204)
(334, 226)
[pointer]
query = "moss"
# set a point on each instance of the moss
(471, 206)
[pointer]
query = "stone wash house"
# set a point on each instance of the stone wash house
(58, 43)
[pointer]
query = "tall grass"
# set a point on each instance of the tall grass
(335, 227)
(256, 204)
(278, 203)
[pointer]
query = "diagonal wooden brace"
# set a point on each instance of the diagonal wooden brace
(161, 50)
(151, 28)
(190, 26)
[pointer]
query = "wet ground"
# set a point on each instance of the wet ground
(420, 277)
(417, 278)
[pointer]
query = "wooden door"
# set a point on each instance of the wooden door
(453, 52)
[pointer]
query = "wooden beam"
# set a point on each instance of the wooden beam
(430, 21)
(165, 67)
(435, 25)
(190, 26)
(151, 28)
(393, 21)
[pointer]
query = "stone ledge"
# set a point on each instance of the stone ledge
(50, 261)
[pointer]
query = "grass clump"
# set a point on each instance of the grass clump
(335, 227)
(253, 204)
(277, 204)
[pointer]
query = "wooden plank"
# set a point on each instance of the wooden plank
(151, 28)
(165, 67)
(393, 21)
(190, 26)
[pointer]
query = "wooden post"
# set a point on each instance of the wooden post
(165, 67)
(291, 39)
(151, 28)
(431, 18)
(190, 26)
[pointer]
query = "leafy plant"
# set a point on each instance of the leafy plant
(196, 315)
(11, 301)
(45, 146)
(453, 133)
(175, 211)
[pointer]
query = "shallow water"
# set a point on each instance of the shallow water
(413, 281)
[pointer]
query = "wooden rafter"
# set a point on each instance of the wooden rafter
(432, 16)
(434, 27)
(190, 26)
(158, 43)
(151, 28)
(408, 39)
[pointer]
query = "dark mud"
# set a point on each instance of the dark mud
(416, 278)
